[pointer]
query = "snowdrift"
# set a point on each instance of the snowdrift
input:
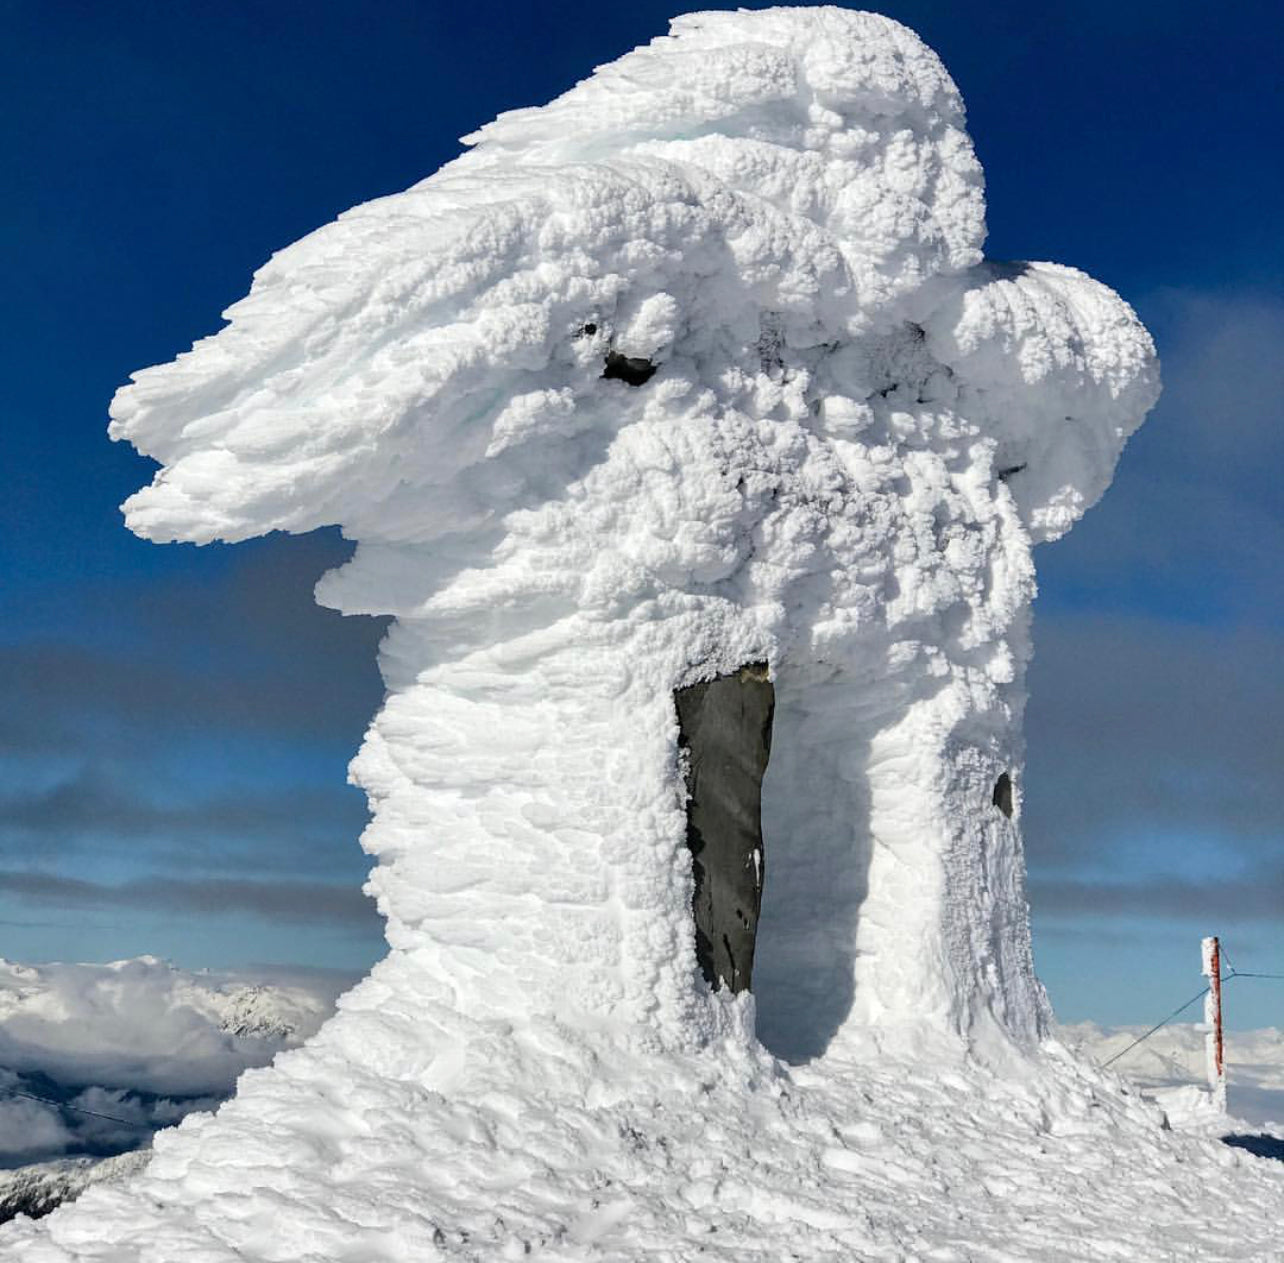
(698, 367)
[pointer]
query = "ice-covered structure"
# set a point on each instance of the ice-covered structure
(841, 436)
(697, 368)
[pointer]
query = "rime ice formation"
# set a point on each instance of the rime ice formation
(854, 432)
(698, 366)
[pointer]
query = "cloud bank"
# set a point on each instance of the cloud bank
(133, 1046)
(1155, 752)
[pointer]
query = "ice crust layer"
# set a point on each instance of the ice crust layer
(855, 432)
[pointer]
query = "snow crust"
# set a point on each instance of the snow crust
(855, 433)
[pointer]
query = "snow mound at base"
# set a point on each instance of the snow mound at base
(718, 1157)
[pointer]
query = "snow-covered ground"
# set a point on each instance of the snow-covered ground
(923, 1158)
(980, 1165)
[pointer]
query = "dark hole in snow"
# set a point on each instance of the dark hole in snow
(589, 329)
(627, 368)
(1005, 474)
(724, 725)
(1002, 798)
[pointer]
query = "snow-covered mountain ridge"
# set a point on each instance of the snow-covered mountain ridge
(36, 1190)
(96, 1057)
(144, 1024)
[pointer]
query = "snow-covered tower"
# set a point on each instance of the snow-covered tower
(689, 394)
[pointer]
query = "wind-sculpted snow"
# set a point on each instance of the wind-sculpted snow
(698, 366)
(853, 432)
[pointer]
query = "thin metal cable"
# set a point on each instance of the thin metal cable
(1234, 973)
(1158, 1026)
(79, 1109)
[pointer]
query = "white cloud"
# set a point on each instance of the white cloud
(143, 1024)
(132, 1046)
(28, 1129)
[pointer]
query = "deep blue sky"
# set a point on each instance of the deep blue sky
(176, 722)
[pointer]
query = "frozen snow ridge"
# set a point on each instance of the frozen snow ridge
(698, 367)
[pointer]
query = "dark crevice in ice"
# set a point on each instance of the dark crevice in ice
(627, 368)
(1002, 797)
(725, 728)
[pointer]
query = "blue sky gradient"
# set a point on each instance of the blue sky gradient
(177, 721)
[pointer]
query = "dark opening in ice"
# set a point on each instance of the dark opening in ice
(627, 368)
(725, 728)
(1002, 797)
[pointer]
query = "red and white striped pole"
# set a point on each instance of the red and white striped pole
(1212, 969)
